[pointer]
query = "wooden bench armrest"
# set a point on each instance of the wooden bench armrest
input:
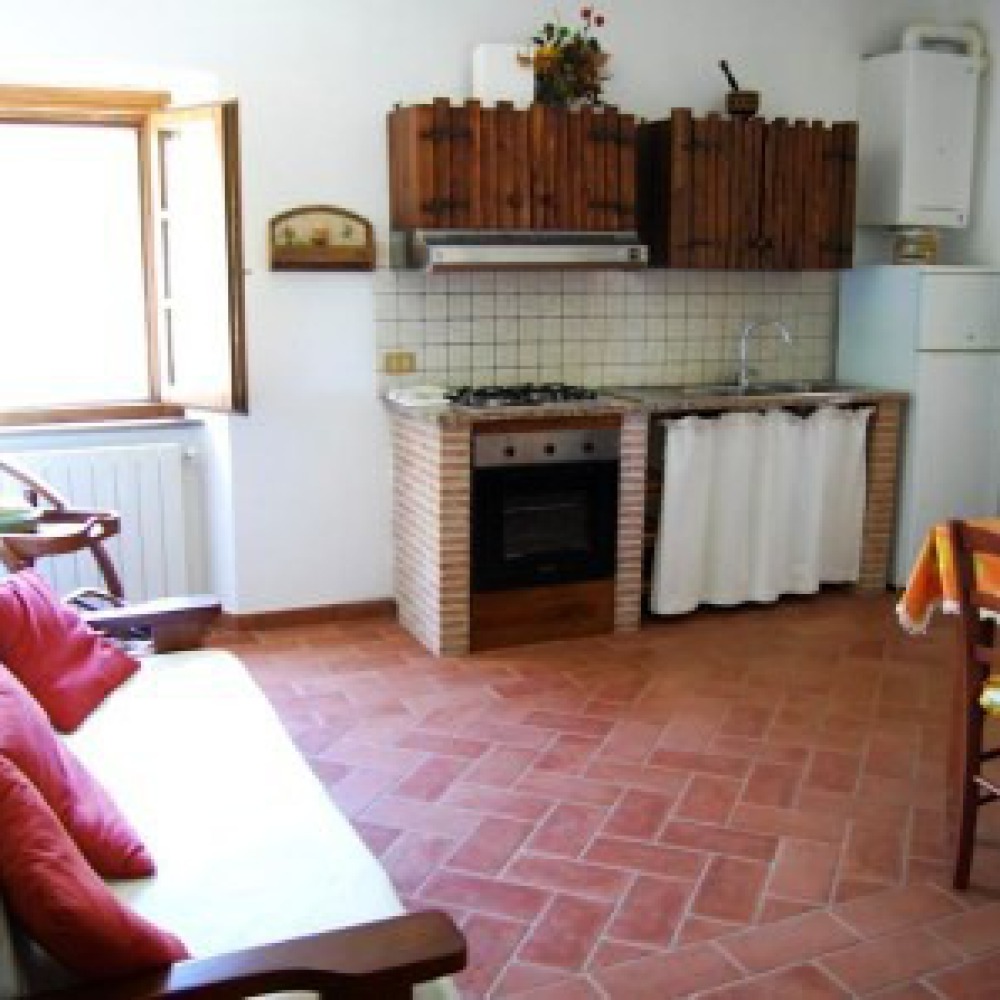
(383, 960)
(175, 622)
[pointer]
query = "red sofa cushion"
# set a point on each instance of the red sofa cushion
(64, 663)
(48, 885)
(89, 814)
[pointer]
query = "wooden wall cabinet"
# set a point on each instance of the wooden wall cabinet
(745, 194)
(475, 167)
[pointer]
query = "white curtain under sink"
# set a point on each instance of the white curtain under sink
(759, 504)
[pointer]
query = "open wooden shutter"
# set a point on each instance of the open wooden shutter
(198, 257)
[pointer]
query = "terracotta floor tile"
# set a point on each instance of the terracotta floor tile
(500, 766)
(653, 779)
(577, 877)
(651, 859)
(974, 932)
(491, 942)
(567, 829)
(431, 779)
(772, 785)
(568, 988)
(788, 823)
(695, 929)
(908, 991)
(708, 799)
(496, 801)
(891, 911)
(789, 942)
(662, 977)
(701, 763)
(582, 801)
(639, 814)
(874, 853)
(779, 908)
(443, 744)
(491, 845)
(631, 741)
(730, 889)
(609, 953)
(579, 725)
(976, 980)
(803, 982)
(566, 932)
(804, 869)
(562, 787)
(519, 978)
(472, 892)
(888, 960)
(651, 911)
(720, 839)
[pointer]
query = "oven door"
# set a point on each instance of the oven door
(534, 525)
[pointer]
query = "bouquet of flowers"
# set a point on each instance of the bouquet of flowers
(569, 62)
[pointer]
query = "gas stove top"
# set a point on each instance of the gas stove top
(527, 394)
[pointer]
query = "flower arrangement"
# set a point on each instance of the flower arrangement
(569, 62)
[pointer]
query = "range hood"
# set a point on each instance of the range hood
(443, 250)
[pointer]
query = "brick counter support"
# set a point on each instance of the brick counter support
(431, 533)
(631, 513)
(880, 500)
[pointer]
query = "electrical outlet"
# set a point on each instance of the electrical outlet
(399, 362)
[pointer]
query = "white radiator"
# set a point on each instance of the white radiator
(145, 484)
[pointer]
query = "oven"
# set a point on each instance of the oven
(544, 506)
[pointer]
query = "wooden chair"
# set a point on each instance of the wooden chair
(170, 623)
(978, 657)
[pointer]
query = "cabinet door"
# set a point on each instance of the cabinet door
(698, 200)
(626, 198)
(513, 167)
(412, 152)
(431, 164)
(745, 251)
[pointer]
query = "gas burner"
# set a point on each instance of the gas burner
(527, 394)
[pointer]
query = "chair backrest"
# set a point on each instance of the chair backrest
(974, 547)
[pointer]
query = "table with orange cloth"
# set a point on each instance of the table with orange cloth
(933, 581)
(933, 584)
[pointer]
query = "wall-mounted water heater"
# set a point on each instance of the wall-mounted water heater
(917, 116)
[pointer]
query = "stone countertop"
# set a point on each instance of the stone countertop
(653, 400)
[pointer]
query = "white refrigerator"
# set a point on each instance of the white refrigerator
(932, 331)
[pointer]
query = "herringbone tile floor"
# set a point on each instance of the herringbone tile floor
(740, 804)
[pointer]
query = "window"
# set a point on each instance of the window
(121, 278)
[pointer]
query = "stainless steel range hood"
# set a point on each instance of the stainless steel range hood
(440, 250)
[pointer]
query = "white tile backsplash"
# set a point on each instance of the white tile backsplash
(602, 328)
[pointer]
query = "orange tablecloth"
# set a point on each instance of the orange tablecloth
(933, 581)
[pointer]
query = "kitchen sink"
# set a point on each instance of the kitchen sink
(789, 387)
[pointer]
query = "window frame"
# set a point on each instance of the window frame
(138, 110)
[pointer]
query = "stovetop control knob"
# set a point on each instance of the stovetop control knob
(510, 451)
(588, 447)
(549, 449)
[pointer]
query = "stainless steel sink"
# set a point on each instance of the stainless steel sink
(783, 388)
(791, 387)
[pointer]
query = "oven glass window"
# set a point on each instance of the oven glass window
(538, 524)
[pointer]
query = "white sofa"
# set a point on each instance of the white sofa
(248, 847)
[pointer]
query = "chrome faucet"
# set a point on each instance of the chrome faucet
(743, 377)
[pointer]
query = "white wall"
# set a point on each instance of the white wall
(306, 475)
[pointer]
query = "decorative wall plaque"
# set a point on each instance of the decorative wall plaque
(320, 238)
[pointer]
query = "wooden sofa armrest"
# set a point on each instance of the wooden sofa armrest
(175, 622)
(382, 960)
